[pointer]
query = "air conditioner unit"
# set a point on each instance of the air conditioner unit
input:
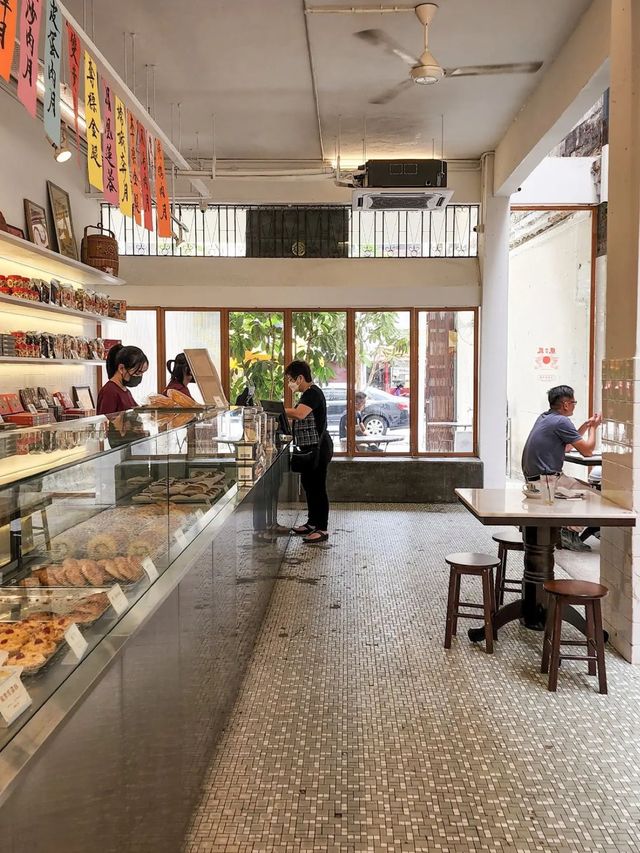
(400, 198)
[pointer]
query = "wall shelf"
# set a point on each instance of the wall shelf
(48, 264)
(11, 359)
(57, 309)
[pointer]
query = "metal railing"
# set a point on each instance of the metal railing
(240, 231)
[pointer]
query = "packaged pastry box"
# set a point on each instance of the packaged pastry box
(15, 414)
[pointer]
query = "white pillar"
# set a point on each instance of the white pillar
(494, 270)
(620, 548)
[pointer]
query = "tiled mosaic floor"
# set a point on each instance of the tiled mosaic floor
(356, 731)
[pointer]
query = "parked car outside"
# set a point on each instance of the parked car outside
(383, 411)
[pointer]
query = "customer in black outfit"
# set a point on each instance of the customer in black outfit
(309, 418)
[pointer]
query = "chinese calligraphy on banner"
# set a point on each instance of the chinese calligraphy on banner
(122, 155)
(135, 172)
(73, 44)
(52, 55)
(8, 17)
(92, 117)
(144, 174)
(163, 211)
(28, 66)
(109, 168)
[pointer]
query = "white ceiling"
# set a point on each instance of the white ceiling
(247, 62)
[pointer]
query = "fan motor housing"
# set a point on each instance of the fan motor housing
(404, 173)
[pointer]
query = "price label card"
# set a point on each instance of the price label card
(118, 599)
(180, 538)
(14, 698)
(76, 641)
(149, 566)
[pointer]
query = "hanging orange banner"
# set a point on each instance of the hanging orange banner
(8, 18)
(28, 65)
(122, 154)
(135, 171)
(144, 175)
(163, 209)
(73, 53)
(94, 125)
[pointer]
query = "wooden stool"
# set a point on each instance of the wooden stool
(481, 565)
(561, 594)
(508, 540)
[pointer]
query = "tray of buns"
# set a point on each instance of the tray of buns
(33, 625)
(198, 488)
(78, 573)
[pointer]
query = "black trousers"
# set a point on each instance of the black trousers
(314, 484)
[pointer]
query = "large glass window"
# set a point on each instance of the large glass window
(192, 330)
(446, 379)
(256, 354)
(382, 349)
(320, 338)
(141, 330)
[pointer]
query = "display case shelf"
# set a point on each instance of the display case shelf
(57, 309)
(46, 263)
(10, 359)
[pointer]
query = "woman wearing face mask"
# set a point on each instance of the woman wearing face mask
(125, 368)
(309, 418)
(180, 375)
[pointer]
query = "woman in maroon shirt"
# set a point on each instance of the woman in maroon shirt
(180, 375)
(125, 368)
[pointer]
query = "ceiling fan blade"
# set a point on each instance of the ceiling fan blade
(390, 94)
(481, 70)
(381, 39)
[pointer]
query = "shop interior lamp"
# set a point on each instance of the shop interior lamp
(62, 152)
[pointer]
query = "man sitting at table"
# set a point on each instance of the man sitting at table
(552, 435)
(361, 402)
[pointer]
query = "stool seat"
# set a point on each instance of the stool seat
(575, 589)
(512, 538)
(469, 559)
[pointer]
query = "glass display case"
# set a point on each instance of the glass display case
(92, 512)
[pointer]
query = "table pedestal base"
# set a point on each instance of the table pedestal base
(531, 609)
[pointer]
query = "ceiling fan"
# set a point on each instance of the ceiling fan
(426, 70)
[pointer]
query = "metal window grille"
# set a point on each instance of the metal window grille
(239, 231)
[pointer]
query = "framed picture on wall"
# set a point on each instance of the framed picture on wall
(37, 227)
(17, 232)
(62, 222)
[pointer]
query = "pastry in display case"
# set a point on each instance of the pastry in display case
(94, 510)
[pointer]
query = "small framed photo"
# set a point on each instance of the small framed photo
(17, 232)
(83, 397)
(62, 222)
(37, 227)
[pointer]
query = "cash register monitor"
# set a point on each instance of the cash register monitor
(276, 407)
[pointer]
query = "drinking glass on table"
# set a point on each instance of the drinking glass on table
(548, 483)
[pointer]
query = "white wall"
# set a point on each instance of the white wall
(549, 296)
(26, 163)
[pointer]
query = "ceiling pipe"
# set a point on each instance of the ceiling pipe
(357, 10)
(314, 83)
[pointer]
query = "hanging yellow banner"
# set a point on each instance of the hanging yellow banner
(94, 125)
(122, 155)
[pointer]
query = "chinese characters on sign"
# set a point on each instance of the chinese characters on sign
(8, 17)
(73, 44)
(52, 56)
(135, 172)
(92, 117)
(546, 364)
(163, 209)
(28, 66)
(122, 159)
(144, 174)
(109, 168)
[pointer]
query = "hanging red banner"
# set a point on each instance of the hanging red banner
(144, 175)
(28, 65)
(73, 52)
(94, 122)
(163, 209)
(8, 18)
(135, 170)
(109, 168)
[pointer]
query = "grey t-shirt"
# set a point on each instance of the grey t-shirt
(545, 448)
